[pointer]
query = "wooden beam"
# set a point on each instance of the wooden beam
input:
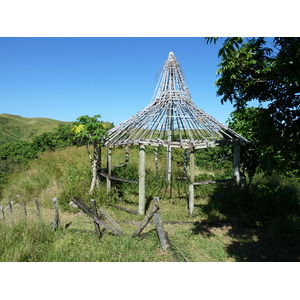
(142, 180)
(192, 179)
(126, 209)
(96, 225)
(118, 178)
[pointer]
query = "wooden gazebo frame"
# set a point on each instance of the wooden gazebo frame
(171, 120)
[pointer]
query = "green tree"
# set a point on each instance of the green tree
(91, 131)
(250, 69)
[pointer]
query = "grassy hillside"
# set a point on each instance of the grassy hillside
(14, 127)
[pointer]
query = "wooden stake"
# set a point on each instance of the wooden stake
(236, 163)
(146, 221)
(110, 220)
(108, 181)
(25, 210)
(37, 205)
(10, 207)
(162, 235)
(142, 180)
(56, 220)
(97, 226)
(192, 179)
(2, 211)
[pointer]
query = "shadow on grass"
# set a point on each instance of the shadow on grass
(264, 221)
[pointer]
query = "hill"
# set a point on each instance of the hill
(14, 127)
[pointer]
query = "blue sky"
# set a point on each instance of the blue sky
(64, 78)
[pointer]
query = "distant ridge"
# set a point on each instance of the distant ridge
(13, 127)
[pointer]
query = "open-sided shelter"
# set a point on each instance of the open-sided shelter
(171, 120)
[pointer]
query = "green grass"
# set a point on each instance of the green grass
(258, 223)
(14, 127)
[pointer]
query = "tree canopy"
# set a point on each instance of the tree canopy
(256, 69)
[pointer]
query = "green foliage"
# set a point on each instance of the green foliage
(252, 70)
(89, 129)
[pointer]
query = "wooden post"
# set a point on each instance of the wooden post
(108, 181)
(236, 164)
(146, 221)
(185, 161)
(10, 207)
(162, 235)
(169, 165)
(126, 154)
(2, 211)
(97, 226)
(142, 180)
(192, 179)
(24, 207)
(56, 220)
(156, 158)
(111, 221)
(37, 205)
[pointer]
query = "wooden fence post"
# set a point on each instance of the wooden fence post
(146, 221)
(236, 164)
(56, 220)
(111, 221)
(24, 207)
(2, 211)
(10, 207)
(37, 205)
(97, 226)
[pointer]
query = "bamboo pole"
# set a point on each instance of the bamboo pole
(142, 180)
(192, 179)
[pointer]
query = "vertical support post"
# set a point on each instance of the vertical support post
(236, 164)
(142, 180)
(37, 205)
(56, 220)
(126, 154)
(185, 162)
(192, 179)
(24, 207)
(156, 158)
(108, 181)
(97, 226)
(169, 165)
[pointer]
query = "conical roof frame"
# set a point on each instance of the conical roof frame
(172, 119)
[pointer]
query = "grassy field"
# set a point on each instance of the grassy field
(259, 223)
(19, 128)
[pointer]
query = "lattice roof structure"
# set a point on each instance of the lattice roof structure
(172, 119)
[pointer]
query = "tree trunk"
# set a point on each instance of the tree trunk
(95, 167)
